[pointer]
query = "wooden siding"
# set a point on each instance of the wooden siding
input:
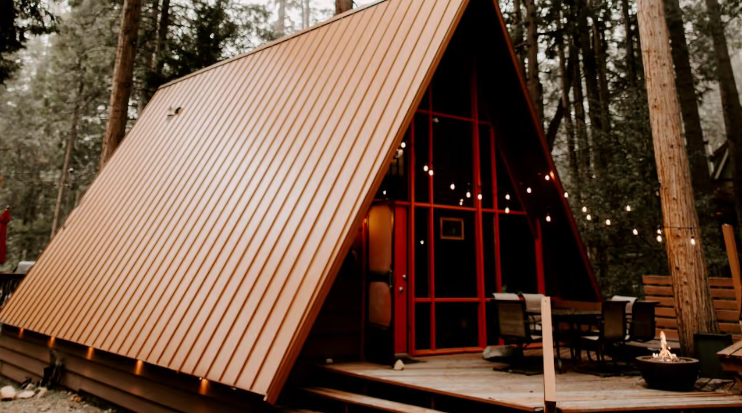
(211, 238)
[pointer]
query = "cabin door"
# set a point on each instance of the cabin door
(386, 286)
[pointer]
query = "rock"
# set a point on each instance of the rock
(7, 393)
(399, 365)
(26, 394)
(29, 386)
(42, 392)
(75, 398)
(495, 352)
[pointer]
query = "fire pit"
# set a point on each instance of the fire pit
(666, 371)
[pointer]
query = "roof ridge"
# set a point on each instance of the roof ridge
(276, 42)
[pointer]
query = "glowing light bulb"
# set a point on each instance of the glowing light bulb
(422, 242)
(528, 190)
(384, 192)
(628, 208)
(693, 241)
(659, 231)
(585, 209)
(508, 197)
(479, 197)
(468, 194)
(430, 172)
(403, 145)
(425, 168)
(461, 201)
(548, 219)
(659, 238)
(452, 186)
(508, 210)
(634, 231)
(588, 217)
(566, 194)
(608, 222)
(546, 177)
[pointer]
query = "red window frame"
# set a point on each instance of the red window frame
(481, 298)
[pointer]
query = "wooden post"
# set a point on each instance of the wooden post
(548, 358)
(729, 234)
(694, 307)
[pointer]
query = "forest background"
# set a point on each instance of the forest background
(581, 60)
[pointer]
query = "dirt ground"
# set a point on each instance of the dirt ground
(55, 401)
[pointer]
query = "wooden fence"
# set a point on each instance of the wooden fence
(658, 288)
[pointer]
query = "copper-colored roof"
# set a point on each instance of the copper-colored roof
(204, 244)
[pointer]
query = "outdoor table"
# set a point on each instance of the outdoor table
(575, 319)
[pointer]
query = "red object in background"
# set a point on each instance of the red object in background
(4, 219)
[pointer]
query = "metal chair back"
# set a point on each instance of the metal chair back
(512, 320)
(642, 327)
(613, 315)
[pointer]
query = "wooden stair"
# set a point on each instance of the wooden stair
(350, 400)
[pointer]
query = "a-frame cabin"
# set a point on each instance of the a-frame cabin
(354, 191)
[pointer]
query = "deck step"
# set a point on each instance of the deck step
(365, 401)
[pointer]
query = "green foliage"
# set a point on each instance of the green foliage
(18, 19)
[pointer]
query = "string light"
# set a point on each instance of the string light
(548, 219)
(693, 241)
(422, 242)
(425, 168)
(546, 177)
(461, 201)
(384, 192)
(452, 186)
(479, 197)
(430, 172)
(659, 238)
(403, 145)
(508, 197)
(588, 217)
(528, 190)
(634, 231)
(508, 210)
(468, 194)
(628, 208)
(566, 194)
(659, 232)
(585, 209)
(608, 222)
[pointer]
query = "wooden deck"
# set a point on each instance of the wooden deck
(468, 376)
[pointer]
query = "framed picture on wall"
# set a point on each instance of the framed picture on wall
(451, 228)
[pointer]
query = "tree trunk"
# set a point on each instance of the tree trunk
(518, 36)
(629, 45)
(589, 66)
(731, 108)
(281, 18)
(162, 38)
(584, 159)
(695, 311)
(342, 6)
(696, 150)
(122, 79)
(532, 80)
(566, 82)
(305, 14)
(71, 138)
(150, 57)
(602, 156)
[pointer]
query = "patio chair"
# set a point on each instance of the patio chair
(513, 327)
(642, 326)
(628, 299)
(612, 330)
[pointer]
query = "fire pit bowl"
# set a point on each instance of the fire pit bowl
(677, 375)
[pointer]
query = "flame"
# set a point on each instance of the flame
(665, 350)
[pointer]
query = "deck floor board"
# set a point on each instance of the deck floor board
(469, 376)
